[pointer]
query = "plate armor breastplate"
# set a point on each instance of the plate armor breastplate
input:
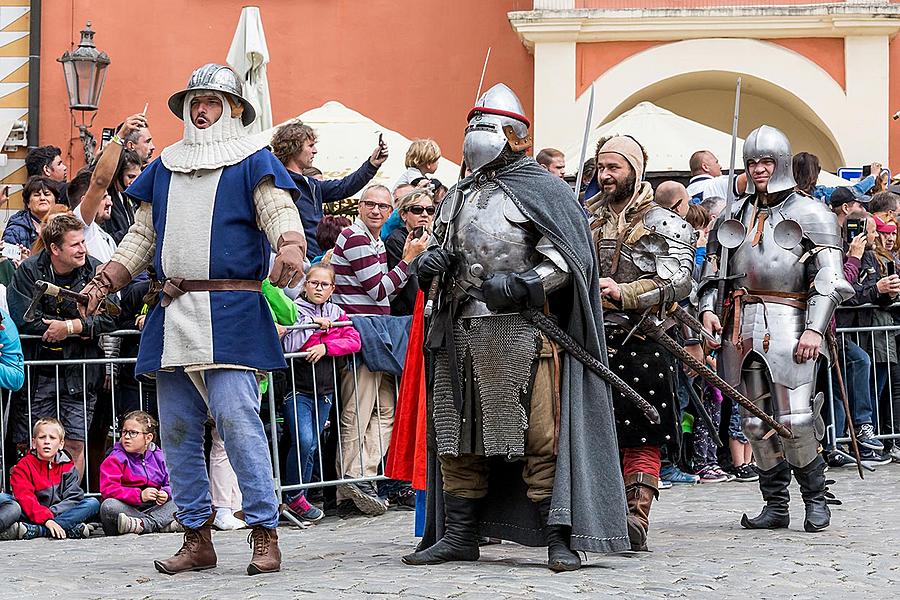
(490, 235)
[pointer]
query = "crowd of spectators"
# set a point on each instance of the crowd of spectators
(345, 327)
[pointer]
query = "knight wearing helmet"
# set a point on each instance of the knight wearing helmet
(523, 437)
(784, 279)
(213, 208)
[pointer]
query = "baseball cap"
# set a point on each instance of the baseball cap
(844, 195)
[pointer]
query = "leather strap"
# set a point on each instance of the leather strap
(175, 287)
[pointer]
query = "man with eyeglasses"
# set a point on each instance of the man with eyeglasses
(365, 286)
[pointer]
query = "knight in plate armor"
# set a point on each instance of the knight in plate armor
(512, 421)
(646, 255)
(783, 280)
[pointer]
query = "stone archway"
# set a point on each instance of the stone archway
(695, 78)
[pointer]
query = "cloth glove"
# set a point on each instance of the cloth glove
(287, 271)
(433, 263)
(108, 279)
(513, 291)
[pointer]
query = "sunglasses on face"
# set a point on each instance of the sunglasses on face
(370, 205)
(419, 209)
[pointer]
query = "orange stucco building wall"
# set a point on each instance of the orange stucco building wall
(411, 66)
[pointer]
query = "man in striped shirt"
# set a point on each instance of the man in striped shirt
(365, 286)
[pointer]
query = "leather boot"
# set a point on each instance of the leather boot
(266, 553)
(812, 487)
(460, 541)
(196, 553)
(640, 490)
(560, 556)
(774, 487)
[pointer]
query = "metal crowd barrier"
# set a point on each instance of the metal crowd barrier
(349, 362)
(866, 338)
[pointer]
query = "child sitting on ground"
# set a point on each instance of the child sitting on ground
(45, 484)
(134, 482)
(304, 416)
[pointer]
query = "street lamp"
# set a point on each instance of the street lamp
(85, 72)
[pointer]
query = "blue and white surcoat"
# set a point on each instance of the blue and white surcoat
(206, 228)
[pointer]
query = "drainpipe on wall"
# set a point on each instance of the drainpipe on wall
(34, 74)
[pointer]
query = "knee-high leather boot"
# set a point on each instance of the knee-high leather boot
(460, 541)
(640, 490)
(560, 556)
(774, 487)
(812, 487)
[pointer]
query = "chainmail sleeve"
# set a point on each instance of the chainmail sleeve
(276, 213)
(139, 244)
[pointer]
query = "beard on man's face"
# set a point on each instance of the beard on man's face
(622, 193)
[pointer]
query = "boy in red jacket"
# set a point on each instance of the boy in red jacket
(45, 484)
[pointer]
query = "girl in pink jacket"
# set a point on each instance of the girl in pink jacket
(307, 407)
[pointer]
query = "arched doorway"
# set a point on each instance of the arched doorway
(696, 78)
(708, 97)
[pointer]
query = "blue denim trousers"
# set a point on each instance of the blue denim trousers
(9, 511)
(857, 367)
(305, 418)
(82, 512)
(234, 404)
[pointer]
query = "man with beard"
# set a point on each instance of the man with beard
(785, 278)
(212, 208)
(522, 433)
(646, 256)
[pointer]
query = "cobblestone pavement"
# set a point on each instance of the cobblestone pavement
(698, 551)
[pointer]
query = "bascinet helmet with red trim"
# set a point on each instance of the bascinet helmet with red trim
(496, 120)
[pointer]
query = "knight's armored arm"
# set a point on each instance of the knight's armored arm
(830, 289)
(554, 272)
(673, 281)
(708, 292)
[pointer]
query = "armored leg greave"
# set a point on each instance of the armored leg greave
(774, 487)
(460, 541)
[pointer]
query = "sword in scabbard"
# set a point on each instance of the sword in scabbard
(652, 329)
(556, 333)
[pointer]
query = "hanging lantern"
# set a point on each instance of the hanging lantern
(85, 72)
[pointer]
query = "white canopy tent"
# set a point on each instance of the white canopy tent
(670, 139)
(346, 138)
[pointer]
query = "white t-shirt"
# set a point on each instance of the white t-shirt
(99, 244)
(702, 187)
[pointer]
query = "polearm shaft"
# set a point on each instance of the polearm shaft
(457, 199)
(832, 347)
(729, 202)
(579, 353)
(584, 144)
(655, 332)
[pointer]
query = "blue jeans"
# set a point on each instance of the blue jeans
(234, 405)
(857, 367)
(9, 511)
(305, 419)
(80, 513)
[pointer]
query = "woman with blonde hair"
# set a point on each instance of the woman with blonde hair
(421, 161)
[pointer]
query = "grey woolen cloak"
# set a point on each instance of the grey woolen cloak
(588, 493)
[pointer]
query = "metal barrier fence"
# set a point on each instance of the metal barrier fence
(875, 342)
(296, 361)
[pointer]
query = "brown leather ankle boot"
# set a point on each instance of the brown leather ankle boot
(266, 553)
(196, 553)
(640, 490)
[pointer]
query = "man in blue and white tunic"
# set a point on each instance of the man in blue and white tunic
(212, 208)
